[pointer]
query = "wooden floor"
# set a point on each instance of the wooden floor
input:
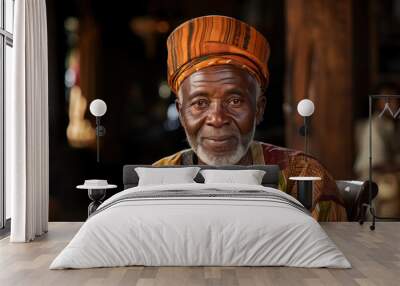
(375, 257)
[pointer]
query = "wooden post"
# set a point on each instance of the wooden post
(319, 67)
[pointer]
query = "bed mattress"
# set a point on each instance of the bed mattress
(201, 225)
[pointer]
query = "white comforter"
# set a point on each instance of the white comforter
(185, 231)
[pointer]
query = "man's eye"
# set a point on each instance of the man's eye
(235, 101)
(201, 103)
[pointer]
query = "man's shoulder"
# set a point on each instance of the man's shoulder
(273, 151)
(283, 156)
(174, 159)
(270, 148)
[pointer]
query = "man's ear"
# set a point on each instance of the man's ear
(178, 106)
(260, 108)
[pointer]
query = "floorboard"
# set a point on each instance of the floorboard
(374, 255)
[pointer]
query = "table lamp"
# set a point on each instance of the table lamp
(98, 108)
(305, 184)
(306, 108)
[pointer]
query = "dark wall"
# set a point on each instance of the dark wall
(127, 78)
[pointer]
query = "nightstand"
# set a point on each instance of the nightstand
(96, 191)
(305, 190)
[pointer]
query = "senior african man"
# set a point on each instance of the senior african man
(217, 67)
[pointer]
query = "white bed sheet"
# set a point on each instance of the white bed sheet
(200, 231)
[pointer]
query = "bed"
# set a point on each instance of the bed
(201, 224)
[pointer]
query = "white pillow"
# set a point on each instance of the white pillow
(163, 176)
(248, 177)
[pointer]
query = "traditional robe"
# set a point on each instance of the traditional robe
(327, 202)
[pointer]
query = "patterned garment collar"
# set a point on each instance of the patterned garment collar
(257, 153)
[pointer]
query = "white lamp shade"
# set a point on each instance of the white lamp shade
(98, 107)
(305, 107)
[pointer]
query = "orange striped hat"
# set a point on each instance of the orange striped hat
(216, 40)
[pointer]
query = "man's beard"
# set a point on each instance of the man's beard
(244, 142)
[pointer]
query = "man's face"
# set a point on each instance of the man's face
(219, 109)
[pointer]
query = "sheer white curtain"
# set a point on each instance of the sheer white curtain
(27, 171)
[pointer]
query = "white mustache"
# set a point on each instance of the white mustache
(218, 133)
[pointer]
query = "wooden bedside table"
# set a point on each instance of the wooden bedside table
(96, 191)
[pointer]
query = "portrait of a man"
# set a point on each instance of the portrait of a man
(221, 142)
(218, 70)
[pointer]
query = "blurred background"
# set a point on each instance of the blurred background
(332, 52)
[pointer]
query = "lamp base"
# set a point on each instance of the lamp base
(97, 196)
(305, 193)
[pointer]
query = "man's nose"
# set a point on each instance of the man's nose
(217, 116)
